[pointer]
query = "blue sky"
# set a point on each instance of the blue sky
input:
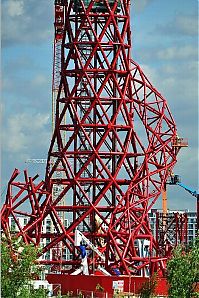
(165, 44)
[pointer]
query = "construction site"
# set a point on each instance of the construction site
(112, 155)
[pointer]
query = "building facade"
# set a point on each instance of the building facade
(63, 252)
(47, 228)
(191, 221)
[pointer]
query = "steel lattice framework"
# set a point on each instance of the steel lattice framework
(111, 150)
(171, 230)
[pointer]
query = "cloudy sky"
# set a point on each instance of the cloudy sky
(165, 44)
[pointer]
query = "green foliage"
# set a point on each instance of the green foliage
(183, 271)
(17, 268)
(29, 292)
(99, 288)
(69, 294)
(148, 288)
(80, 295)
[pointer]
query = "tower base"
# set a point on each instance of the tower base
(103, 285)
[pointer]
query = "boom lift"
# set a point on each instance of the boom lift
(175, 180)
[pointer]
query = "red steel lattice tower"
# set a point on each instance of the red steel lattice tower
(112, 146)
(115, 147)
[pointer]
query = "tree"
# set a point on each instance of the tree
(18, 268)
(148, 288)
(183, 271)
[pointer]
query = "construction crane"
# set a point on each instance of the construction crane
(36, 160)
(175, 180)
(56, 78)
(58, 36)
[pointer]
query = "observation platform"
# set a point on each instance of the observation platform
(180, 142)
(98, 5)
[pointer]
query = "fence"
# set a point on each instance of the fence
(96, 294)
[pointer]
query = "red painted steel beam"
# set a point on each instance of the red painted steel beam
(111, 149)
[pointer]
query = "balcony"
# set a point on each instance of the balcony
(180, 142)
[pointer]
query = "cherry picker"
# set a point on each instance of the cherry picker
(175, 180)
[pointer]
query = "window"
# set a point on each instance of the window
(152, 227)
(66, 223)
(47, 240)
(192, 214)
(13, 225)
(190, 238)
(48, 229)
(64, 254)
(47, 256)
(48, 222)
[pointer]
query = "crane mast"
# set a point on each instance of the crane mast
(58, 37)
(56, 91)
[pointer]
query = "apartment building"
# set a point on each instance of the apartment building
(191, 221)
(47, 227)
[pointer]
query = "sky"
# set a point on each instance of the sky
(165, 44)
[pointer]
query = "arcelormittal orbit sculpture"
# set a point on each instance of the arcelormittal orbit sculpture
(111, 150)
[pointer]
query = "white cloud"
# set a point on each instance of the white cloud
(187, 167)
(26, 22)
(187, 24)
(39, 80)
(15, 8)
(181, 25)
(36, 95)
(180, 52)
(174, 53)
(183, 77)
(25, 135)
(24, 131)
(139, 5)
(149, 72)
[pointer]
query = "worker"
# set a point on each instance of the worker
(84, 261)
(172, 178)
(178, 140)
(83, 250)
